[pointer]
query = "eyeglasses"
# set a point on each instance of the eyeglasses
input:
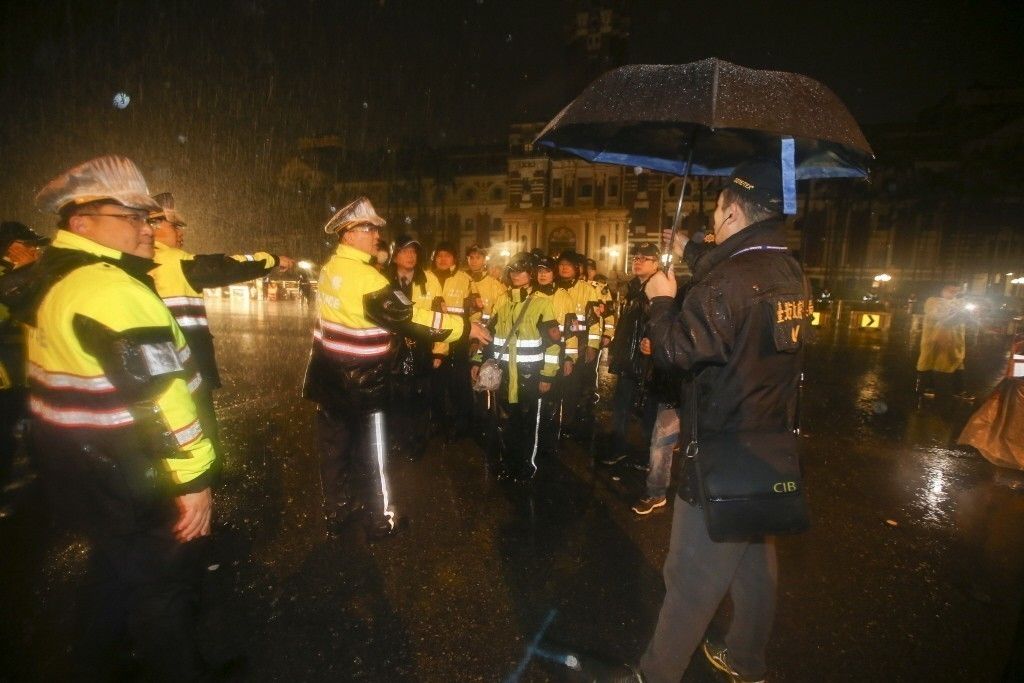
(366, 228)
(645, 258)
(133, 218)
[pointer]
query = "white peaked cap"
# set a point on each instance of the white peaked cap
(167, 210)
(359, 212)
(114, 178)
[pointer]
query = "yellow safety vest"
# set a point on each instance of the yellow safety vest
(531, 345)
(186, 303)
(454, 292)
(489, 289)
(577, 300)
(607, 322)
(342, 329)
(69, 390)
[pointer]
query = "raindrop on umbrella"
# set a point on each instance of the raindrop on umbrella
(122, 100)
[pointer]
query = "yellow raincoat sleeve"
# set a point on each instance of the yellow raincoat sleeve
(594, 329)
(138, 308)
(548, 328)
(269, 260)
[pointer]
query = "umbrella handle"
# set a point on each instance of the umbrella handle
(666, 254)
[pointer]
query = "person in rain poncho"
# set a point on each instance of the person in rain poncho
(943, 343)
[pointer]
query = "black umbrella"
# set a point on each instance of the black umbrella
(705, 118)
(655, 115)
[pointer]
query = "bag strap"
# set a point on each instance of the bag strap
(514, 330)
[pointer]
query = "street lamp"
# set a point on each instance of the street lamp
(305, 265)
(884, 277)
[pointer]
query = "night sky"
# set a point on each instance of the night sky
(221, 91)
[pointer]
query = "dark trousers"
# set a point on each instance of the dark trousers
(409, 413)
(13, 407)
(930, 380)
(551, 418)
(143, 584)
(451, 390)
(519, 428)
(624, 402)
(350, 473)
(575, 396)
(698, 574)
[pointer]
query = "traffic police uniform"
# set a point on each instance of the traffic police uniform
(528, 353)
(410, 375)
(354, 344)
(574, 302)
(180, 279)
(487, 290)
(451, 384)
(116, 431)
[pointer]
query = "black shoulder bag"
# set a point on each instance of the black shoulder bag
(748, 484)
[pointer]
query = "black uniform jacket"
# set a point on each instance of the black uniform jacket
(741, 331)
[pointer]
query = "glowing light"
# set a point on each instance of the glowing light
(506, 253)
(305, 265)
(970, 307)
(614, 253)
(884, 277)
(122, 100)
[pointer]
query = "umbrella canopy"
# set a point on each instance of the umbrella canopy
(654, 116)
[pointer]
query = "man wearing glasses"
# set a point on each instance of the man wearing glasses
(362, 317)
(629, 357)
(119, 442)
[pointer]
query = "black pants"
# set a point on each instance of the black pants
(578, 397)
(13, 407)
(452, 392)
(350, 472)
(142, 584)
(409, 413)
(519, 427)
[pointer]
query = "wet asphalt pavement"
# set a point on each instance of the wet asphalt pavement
(912, 571)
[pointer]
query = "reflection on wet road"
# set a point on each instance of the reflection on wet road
(912, 570)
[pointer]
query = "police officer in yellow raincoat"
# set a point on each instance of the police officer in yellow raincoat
(180, 279)
(526, 346)
(451, 395)
(361, 319)
(120, 445)
(576, 305)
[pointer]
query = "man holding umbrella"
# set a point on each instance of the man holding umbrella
(730, 338)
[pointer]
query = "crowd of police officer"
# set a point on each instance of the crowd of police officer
(107, 350)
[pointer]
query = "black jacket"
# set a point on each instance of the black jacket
(741, 331)
(624, 355)
(413, 358)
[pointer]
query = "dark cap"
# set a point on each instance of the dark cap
(759, 182)
(475, 249)
(403, 241)
(648, 249)
(572, 257)
(13, 231)
(443, 246)
(591, 263)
